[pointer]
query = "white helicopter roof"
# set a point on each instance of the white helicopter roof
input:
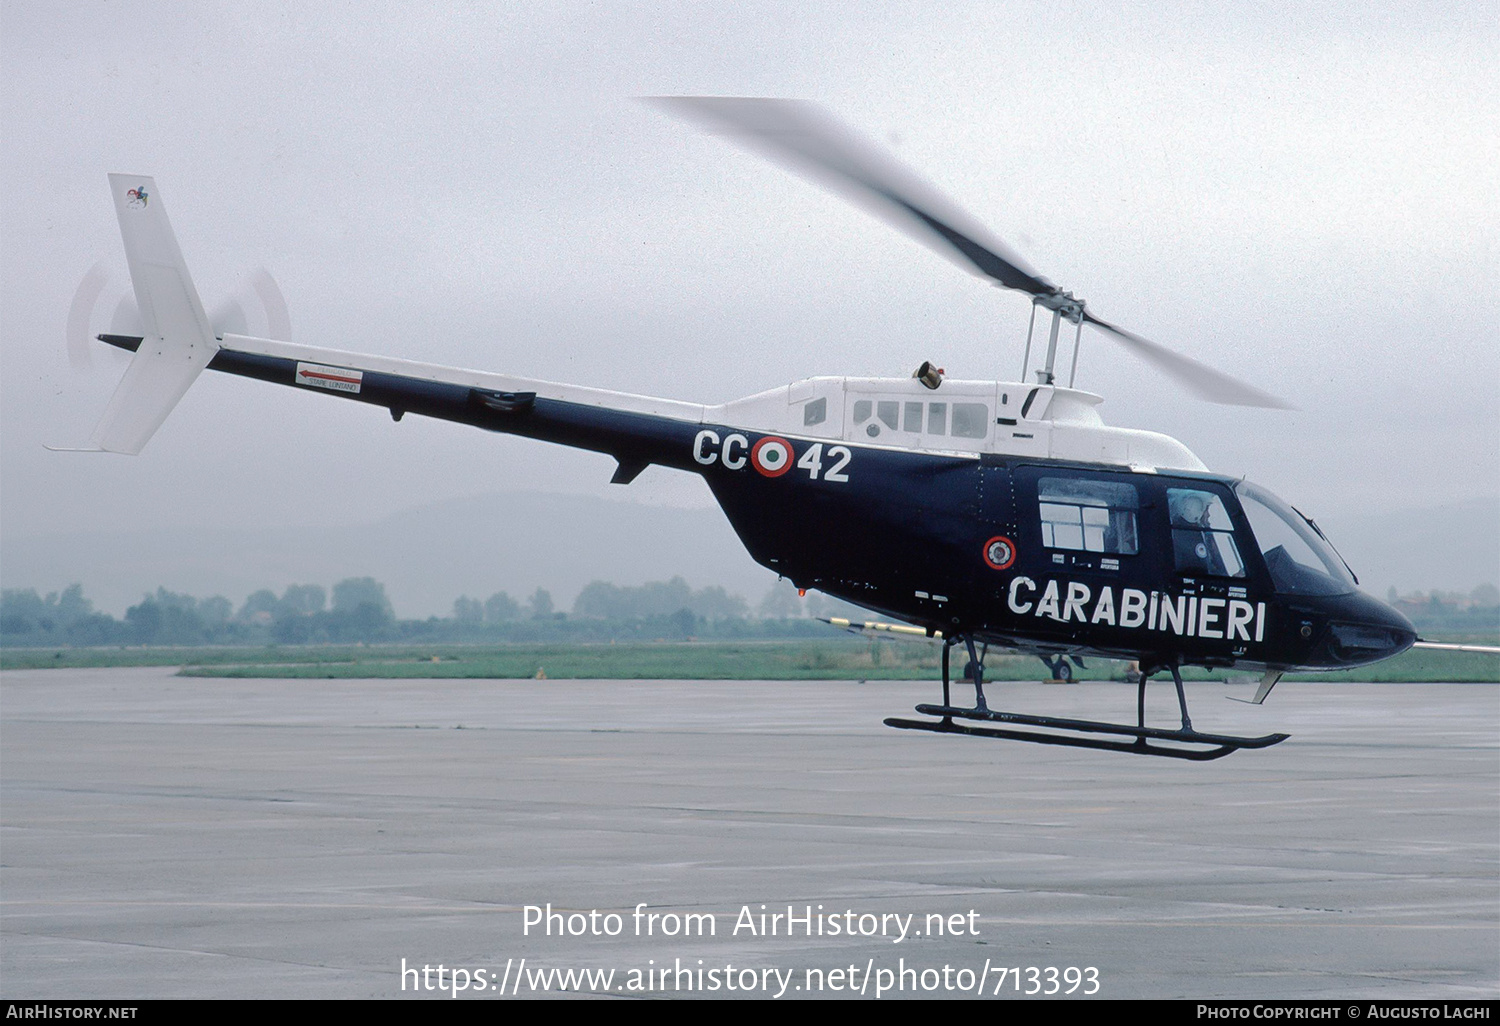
(960, 418)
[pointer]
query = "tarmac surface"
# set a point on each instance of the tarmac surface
(174, 837)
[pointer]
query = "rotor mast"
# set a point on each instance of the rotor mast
(1064, 307)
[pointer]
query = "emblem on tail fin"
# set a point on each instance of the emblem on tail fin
(139, 197)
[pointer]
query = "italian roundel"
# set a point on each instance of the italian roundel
(999, 552)
(772, 456)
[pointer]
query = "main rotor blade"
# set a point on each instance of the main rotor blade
(1203, 381)
(811, 142)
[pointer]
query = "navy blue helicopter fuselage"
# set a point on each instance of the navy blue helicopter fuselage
(1043, 555)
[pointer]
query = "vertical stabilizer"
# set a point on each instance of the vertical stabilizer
(178, 343)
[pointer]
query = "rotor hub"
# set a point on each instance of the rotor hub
(1064, 304)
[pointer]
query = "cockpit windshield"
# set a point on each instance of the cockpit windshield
(1299, 560)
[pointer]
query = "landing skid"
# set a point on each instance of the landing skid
(1211, 746)
(1222, 744)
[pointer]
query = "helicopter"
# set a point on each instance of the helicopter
(982, 513)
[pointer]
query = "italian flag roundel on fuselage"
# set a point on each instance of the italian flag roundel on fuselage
(772, 456)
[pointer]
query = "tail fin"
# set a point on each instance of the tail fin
(179, 342)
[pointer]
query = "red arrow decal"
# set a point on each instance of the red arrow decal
(327, 377)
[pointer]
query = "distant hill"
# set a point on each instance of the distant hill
(429, 555)
(1453, 547)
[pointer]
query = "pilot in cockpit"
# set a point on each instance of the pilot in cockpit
(1192, 532)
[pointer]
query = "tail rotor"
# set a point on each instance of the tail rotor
(105, 302)
(177, 337)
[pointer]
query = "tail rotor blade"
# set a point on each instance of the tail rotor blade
(261, 296)
(228, 318)
(126, 320)
(278, 319)
(81, 313)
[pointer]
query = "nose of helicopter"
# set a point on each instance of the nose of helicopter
(1363, 630)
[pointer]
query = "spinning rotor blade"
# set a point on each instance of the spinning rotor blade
(803, 137)
(95, 291)
(1200, 379)
(81, 311)
(263, 292)
(814, 144)
(278, 320)
(126, 320)
(262, 295)
(228, 318)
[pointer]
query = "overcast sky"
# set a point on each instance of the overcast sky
(1303, 195)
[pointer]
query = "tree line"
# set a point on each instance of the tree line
(358, 610)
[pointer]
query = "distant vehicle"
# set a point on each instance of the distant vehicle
(984, 512)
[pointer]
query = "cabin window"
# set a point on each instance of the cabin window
(1203, 534)
(937, 418)
(970, 420)
(815, 412)
(887, 412)
(1088, 515)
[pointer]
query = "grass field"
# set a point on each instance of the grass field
(834, 658)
